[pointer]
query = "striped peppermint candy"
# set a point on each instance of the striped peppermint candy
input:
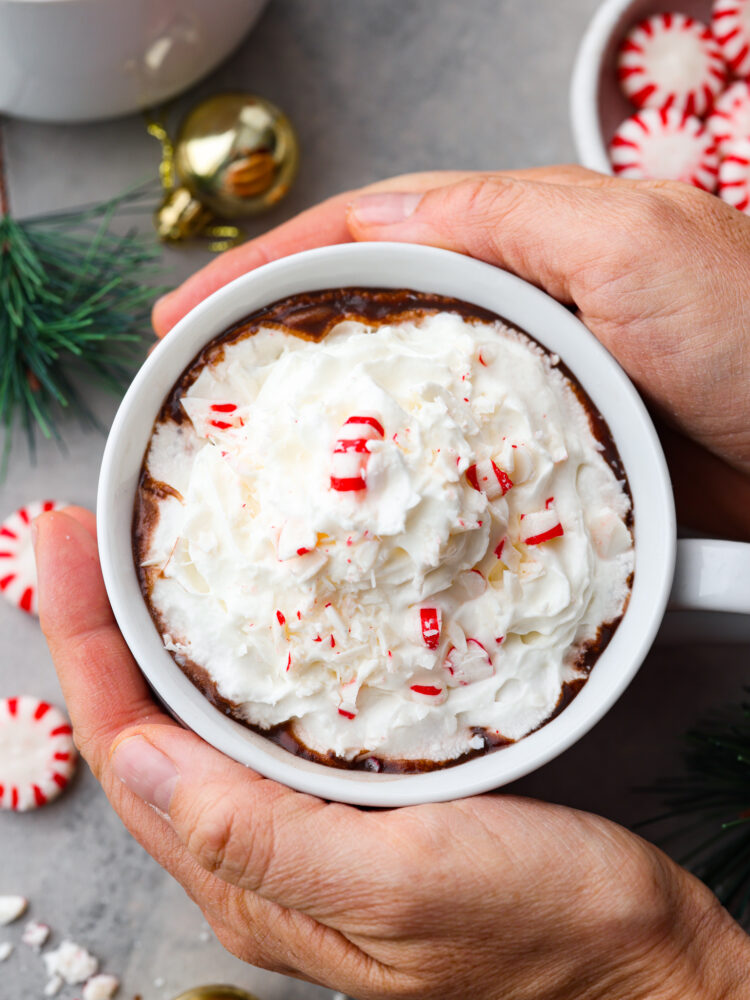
(668, 144)
(351, 453)
(730, 22)
(17, 563)
(730, 119)
(671, 61)
(734, 175)
(37, 755)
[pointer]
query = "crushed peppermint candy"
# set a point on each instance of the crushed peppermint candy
(100, 987)
(71, 962)
(35, 935)
(11, 908)
(351, 451)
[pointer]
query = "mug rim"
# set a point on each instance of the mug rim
(427, 269)
(585, 85)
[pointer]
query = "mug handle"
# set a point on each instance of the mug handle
(711, 574)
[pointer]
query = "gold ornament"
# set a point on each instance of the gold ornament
(216, 993)
(234, 155)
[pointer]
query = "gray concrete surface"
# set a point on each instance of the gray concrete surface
(375, 87)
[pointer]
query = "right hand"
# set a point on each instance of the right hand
(659, 272)
(488, 897)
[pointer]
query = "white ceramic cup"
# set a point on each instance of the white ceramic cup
(428, 270)
(77, 60)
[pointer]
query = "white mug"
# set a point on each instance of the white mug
(78, 60)
(703, 579)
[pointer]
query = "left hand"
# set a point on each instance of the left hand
(489, 897)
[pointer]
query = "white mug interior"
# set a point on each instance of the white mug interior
(441, 272)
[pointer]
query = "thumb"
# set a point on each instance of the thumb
(292, 849)
(549, 234)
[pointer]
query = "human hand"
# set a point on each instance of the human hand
(658, 271)
(490, 897)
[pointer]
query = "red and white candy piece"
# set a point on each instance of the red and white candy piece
(429, 693)
(430, 623)
(734, 176)
(730, 119)
(17, 563)
(489, 478)
(730, 21)
(35, 935)
(37, 755)
(541, 525)
(71, 962)
(348, 703)
(671, 61)
(351, 452)
(469, 665)
(668, 144)
(212, 418)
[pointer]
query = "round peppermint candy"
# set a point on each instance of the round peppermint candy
(671, 61)
(668, 144)
(730, 119)
(17, 563)
(734, 175)
(37, 755)
(730, 22)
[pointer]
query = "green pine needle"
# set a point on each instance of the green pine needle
(73, 304)
(711, 803)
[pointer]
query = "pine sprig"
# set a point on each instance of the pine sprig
(712, 805)
(73, 307)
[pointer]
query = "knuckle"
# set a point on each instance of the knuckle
(485, 197)
(472, 212)
(225, 845)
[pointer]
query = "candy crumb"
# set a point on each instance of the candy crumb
(72, 962)
(54, 986)
(6, 950)
(35, 934)
(11, 908)
(101, 987)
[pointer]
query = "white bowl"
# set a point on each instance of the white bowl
(428, 270)
(78, 60)
(597, 105)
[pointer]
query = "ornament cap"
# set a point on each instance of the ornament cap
(181, 216)
(217, 992)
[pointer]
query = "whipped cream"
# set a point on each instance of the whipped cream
(444, 593)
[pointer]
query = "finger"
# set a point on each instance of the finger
(84, 517)
(549, 233)
(102, 686)
(293, 849)
(324, 225)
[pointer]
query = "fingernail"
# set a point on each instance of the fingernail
(146, 771)
(384, 209)
(34, 533)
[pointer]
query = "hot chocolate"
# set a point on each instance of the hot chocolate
(385, 529)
